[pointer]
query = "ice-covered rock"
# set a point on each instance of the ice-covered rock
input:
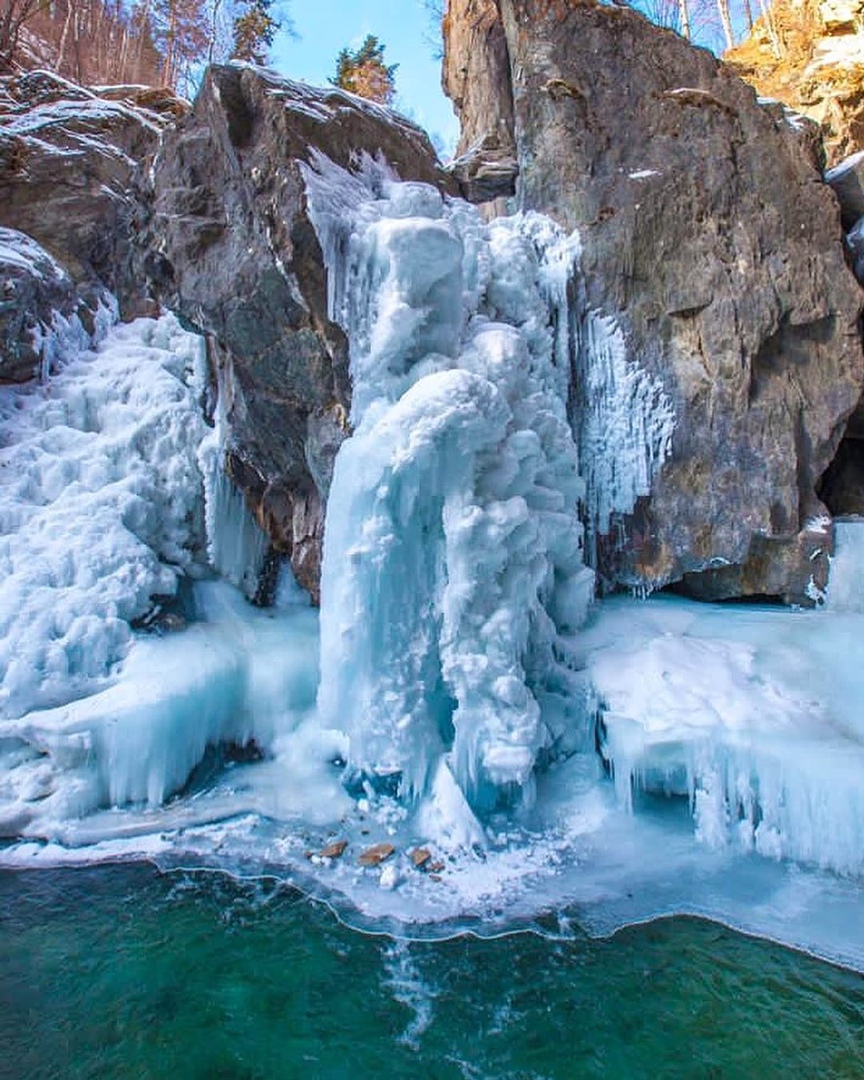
(751, 716)
(44, 316)
(231, 247)
(73, 173)
(100, 507)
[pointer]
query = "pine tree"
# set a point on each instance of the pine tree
(181, 33)
(254, 31)
(364, 72)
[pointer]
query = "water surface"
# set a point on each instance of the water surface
(123, 972)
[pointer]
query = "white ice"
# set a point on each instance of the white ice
(751, 715)
(453, 550)
(100, 507)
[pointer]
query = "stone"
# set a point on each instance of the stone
(73, 170)
(487, 171)
(40, 308)
(231, 247)
(420, 857)
(847, 182)
(375, 855)
(710, 241)
(334, 850)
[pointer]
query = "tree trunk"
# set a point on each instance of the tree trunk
(723, 8)
(684, 18)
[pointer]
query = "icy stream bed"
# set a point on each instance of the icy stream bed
(589, 850)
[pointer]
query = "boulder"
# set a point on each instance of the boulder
(847, 182)
(232, 248)
(487, 172)
(855, 244)
(73, 166)
(42, 311)
(716, 336)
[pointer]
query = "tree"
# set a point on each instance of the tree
(254, 31)
(364, 72)
(181, 32)
(726, 22)
(684, 18)
(12, 19)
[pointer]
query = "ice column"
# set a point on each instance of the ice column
(453, 550)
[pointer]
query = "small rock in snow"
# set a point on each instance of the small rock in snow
(335, 850)
(420, 856)
(376, 854)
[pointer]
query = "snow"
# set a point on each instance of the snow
(237, 675)
(21, 251)
(74, 117)
(99, 490)
(846, 165)
(751, 715)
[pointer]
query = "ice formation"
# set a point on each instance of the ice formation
(750, 715)
(100, 498)
(462, 696)
(453, 555)
(112, 494)
(63, 335)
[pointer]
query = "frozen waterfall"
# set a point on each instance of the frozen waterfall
(453, 557)
(459, 692)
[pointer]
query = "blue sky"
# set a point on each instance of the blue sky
(324, 27)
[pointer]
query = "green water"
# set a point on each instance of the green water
(123, 973)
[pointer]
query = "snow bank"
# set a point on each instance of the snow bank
(100, 497)
(752, 715)
(237, 675)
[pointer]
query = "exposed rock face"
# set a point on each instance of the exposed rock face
(810, 54)
(234, 251)
(41, 309)
(709, 237)
(71, 201)
(72, 168)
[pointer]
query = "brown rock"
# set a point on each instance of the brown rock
(420, 857)
(73, 168)
(710, 240)
(818, 68)
(376, 854)
(334, 850)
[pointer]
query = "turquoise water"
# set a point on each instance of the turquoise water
(122, 972)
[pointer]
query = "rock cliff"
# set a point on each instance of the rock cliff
(128, 193)
(73, 167)
(711, 241)
(233, 249)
